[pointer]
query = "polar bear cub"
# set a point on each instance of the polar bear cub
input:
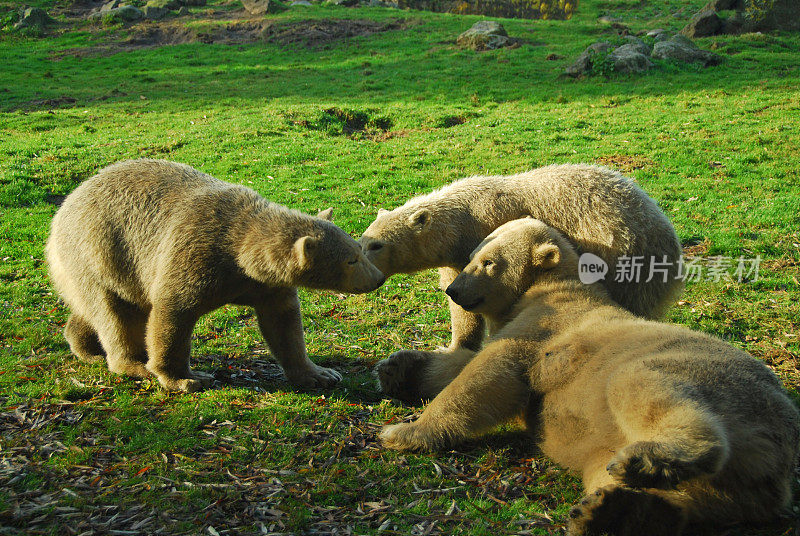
(666, 426)
(144, 248)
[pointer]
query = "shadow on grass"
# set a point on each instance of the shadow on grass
(262, 374)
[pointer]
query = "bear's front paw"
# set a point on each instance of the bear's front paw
(408, 436)
(313, 377)
(196, 381)
(399, 375)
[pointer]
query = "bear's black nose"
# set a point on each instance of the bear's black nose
(453, 293)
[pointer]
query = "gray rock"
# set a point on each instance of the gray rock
(683, 40)
(108, 6)
(347, 3)
(677, 49)
(484, 35)
(194, 3)
(608, 20)
(489, 26)
(763, 16)
(629, 59)
(583, 64)
(154, 12)
(304, 3)
(640, 46)
(659, 34)
(34, 17)
(119, 14)
(703, 24)
(733, 24)
(261, 7)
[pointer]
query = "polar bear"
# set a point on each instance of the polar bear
(144, 248)
(599, 210)
(666, 426)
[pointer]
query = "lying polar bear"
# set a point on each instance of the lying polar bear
(599, 210)
(666, 426)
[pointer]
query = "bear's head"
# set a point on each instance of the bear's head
(329, 258)
(508, 262)
(298, 250)
(408, 239)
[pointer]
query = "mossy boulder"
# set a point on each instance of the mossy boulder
(34, 17)
(484, 35)
(766, 15)
(262, 7)
(748, 16)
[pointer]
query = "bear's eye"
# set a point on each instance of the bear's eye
(353, 262)
(375, 246)
(487, 263)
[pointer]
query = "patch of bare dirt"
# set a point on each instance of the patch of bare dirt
(318, 33)
(45, 103)
(307, 33)
(157, 34)
(696, 247)
(625, 163)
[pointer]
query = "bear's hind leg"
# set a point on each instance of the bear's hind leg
(83, 340)
(168, 337)
(119, 327)
(619, 511)
(671, 438)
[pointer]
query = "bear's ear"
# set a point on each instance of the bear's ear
(382, 211)
(326, 214)
(304, 249)
(546, 256)
(420, 220)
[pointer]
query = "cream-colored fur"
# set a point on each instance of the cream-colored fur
(666, 426)
(599, 210)
(144, 248)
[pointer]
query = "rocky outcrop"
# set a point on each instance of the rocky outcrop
(703, 24)
(748, 16)
(635, 56)
(34, 17)
(262, 7)
(630, 59)
(682, 49)
(113, 12)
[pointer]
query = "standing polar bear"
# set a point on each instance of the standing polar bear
(599, 210)
(665, 425)
(144, 248)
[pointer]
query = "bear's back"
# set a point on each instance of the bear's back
(111, 228)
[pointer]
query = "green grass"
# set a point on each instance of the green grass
(717, 148)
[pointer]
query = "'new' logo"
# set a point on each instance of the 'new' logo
(591, 268)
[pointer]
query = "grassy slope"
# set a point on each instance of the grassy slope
(717, 148)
